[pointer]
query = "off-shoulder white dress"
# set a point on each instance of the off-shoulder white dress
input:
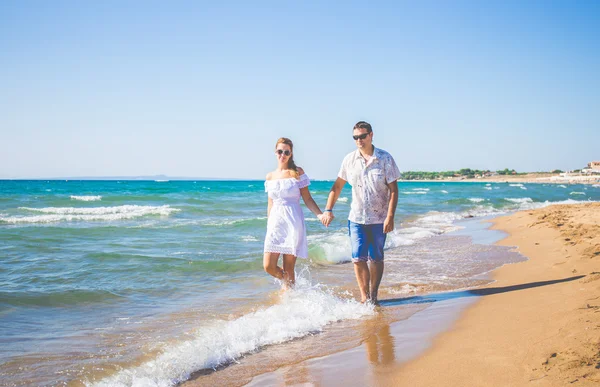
(286, 231)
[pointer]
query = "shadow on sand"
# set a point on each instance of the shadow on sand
(429, 298)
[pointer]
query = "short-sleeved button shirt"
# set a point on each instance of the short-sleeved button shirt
(370, 193)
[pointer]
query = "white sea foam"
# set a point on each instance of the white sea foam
(229, 222)
(519, 200)
(68, 214)
(523, 188)
(88, 198)
(343, 199)
(303, 311)
(444, 191)
(594, 185)
(488, 188)
(335, 247)
(421, 189)
(577, 193)
(249, 238)
(404, 290)
(516, 185)
(488, 184)
(414, 192)
(476, 200)
(562, 186)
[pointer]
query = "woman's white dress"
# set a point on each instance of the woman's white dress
(286, 231)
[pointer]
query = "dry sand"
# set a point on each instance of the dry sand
(541, 324)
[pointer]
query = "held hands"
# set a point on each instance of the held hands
(326, 218)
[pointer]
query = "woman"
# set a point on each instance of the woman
(286, 232)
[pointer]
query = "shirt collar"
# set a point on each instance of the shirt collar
(376, 154)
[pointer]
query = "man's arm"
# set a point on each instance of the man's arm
(334, 194)
(388, 225)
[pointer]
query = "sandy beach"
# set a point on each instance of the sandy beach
(540, 323)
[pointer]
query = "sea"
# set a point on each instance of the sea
(155, 283)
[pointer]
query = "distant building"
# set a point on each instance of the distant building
(594, 165)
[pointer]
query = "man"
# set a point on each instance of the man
(373, 175)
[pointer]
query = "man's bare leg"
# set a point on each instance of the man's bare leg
(361, 269)
(376, 275)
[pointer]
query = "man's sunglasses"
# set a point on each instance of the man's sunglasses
(284, 152)
(360, 136)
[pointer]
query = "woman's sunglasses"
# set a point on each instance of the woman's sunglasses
(284, 152)
(360, 136)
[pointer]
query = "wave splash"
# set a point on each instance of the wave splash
(303, 311)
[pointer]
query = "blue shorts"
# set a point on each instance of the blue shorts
(367, 241)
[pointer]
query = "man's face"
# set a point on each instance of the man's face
(363, 139)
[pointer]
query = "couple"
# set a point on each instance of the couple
(372, 173)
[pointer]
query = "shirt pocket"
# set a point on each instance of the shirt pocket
(377, 176)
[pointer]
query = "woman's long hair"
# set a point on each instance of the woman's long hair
(291, 164)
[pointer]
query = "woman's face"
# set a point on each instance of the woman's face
(283, 152)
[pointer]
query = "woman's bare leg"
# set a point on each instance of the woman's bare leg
(270, 265)
(289, 275)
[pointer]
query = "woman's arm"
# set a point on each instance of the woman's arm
(309, 201)
(269, 205)
(269, 200)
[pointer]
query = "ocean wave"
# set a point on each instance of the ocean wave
(343, 199)
(444, 191)
(68, 214)
(421, 189)
(301, 312)
(414, 192)
(516, 185)
(54, 299)
(577, 193)
(562, 186)
(88, 198)
(477, 200)
(232, 222)
(519, 200)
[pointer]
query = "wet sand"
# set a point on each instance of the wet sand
(544, 329)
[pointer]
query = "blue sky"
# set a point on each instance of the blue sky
(204, 89)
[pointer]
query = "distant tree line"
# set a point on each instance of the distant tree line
(467, 173)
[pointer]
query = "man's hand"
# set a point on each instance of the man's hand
(388, 225)
(326, 218)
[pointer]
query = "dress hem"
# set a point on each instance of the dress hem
(286, 251)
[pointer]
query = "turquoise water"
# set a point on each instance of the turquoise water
(99, 273)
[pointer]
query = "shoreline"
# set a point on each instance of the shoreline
(543, 329)
(537, 324)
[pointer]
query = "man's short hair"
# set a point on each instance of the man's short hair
(363, 125)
